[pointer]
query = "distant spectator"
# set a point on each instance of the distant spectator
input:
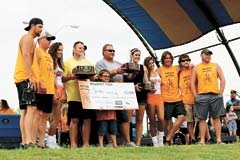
(4, 107)
(231, 118)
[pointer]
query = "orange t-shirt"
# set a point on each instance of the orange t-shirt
(185, 86)
(46, 71)
(106, 115)
(169, 84)
(207, 77)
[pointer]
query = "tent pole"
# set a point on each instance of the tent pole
(208, 13)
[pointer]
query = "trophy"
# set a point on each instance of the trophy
(131, 67)
(147, 86)
(83, 72)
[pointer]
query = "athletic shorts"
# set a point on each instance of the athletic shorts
(45, 102)
(20, 88)
(189, 112)
(173, 109)
(209, 104)
(75, 110)
(122, 116)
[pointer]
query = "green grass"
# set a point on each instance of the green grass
(187, 152)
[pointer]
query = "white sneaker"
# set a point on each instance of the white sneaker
(155, 141)
(160, 139)
(51, 142)
(131, 144)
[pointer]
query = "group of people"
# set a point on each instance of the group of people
(177, 90)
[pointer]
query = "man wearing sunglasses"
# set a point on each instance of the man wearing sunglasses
(208, 94)
(46, 84)
(186, 93)
(116, 72)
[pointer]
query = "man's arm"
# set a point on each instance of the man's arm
(194, 81)
(221, 77)
(27, 49)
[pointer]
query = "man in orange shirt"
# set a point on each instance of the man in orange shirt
(173, 104)
(208, 94)
(46, 84)
(187, 96)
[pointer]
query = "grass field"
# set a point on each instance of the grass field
(183, 152)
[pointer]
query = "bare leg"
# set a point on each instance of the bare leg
(56, 116)
(100, 141)
(217, 127)
(42, 127)
(152, 119)
(202, 130)
(160, 116)
(139, 124)
(73, 132)
(175, 127)
(86, 130)
(190, 130)
(22, 128)
(114, 140)
(28, 124)
(125, 128)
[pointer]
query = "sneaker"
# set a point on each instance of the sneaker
(193, 141)
(131, 144)
(53, 146)
(51, 142)
(155, 141)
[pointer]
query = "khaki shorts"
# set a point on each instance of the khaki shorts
(189, 112)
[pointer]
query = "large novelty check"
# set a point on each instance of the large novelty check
(108, 96)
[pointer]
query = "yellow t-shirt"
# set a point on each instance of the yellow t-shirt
(169, 83)
(185, 86)
(207, 78)
(72, 88)
(46, 71)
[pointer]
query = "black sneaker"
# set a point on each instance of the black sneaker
(193, 141)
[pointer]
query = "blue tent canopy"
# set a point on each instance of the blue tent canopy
(162, 24)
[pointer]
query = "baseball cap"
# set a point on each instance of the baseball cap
(33, 21)
(206, 51)
(47, 34)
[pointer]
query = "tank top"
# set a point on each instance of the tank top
(169, 83)
(207, 78)
(20, 73)
(156, 80)
(58, 75)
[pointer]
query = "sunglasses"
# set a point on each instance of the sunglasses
(185, 60)
(110, 50)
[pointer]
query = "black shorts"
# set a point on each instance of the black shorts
(75, 110)
(45, 102)
(173, 109)
(21, 86)
(122, 116)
